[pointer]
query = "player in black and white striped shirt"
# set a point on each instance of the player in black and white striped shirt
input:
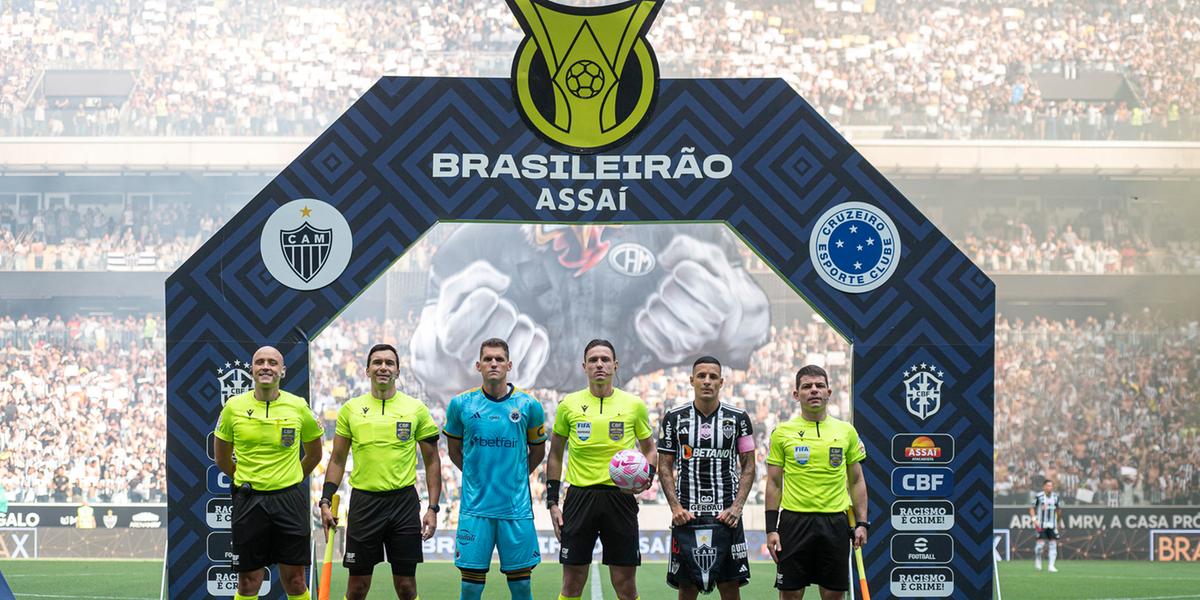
(706, 466)
(1047, 521)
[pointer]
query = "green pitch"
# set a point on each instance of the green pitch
(134, 580)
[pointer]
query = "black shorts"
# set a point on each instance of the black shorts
(379, 521)
(271, 527)
(815, 550)
(603, 511)
(1048, 533)
(705, 552)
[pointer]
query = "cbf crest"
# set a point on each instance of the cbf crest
(585, 78)
(287, 437)
(923, 390)
(403, 431)
(616, 430)
(234, 379)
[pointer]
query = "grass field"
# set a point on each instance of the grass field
(1093, 580)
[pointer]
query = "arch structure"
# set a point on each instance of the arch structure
(749, 153)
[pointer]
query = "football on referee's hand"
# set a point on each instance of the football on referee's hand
(629, 470)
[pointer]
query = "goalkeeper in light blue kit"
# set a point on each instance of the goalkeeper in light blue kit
(497, 436)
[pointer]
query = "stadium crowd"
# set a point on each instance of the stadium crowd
(82, 406)
(928, 69)
(1103, 406)
(96, 238)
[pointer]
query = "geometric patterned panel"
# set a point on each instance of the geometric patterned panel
(789, 166)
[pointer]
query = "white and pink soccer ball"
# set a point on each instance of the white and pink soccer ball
(629, 470)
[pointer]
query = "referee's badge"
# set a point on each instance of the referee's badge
(583, 430)
(616, 430)
(287, 436)
(835, 457)
(403, 430)
(801, 453)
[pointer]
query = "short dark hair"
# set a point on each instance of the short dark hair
(1045, 481)
(706, 360)
(599, 342)
(381, 348)
(494, 343)
(811, 371)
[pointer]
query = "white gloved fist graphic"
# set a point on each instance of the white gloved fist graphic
(470, 307)
(705, 305)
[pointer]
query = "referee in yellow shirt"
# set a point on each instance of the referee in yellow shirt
(265, 428)
(813, 469)
(591, 426)
(384, 430)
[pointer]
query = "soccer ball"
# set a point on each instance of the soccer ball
(584, 79)
(629, 470)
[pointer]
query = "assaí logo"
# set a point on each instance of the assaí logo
(585, 78)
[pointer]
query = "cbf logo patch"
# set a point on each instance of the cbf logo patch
(403, 431)
(234, 380)
(584, 78)
(306, 244)
(583, 430)
(836, 456)
(287, 436)
(923, 390)
(855, 247)
(616, 430)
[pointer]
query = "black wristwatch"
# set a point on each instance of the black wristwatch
(435, 508)
(864, 524)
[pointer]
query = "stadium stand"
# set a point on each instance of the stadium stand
(1074, 70)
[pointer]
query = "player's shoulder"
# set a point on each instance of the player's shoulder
(730, 409)
(235, 401)
(466, 395)
(841, 424)
(679, 411)
(624, 396)
(286, 397)
(521, 394)
(574, 399)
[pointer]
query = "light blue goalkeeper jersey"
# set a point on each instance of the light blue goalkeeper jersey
(496, 434)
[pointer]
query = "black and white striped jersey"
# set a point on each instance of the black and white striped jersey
(706, 452)
(1045, 508)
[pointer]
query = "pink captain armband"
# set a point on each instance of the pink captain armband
(745, 444)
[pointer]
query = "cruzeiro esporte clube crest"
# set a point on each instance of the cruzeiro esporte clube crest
(584, 78)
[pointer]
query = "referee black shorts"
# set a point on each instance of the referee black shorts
(705, 552)
(379, 521)
(815, 550)
(602, 511)
(270, 527)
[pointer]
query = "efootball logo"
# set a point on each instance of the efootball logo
(585, 78)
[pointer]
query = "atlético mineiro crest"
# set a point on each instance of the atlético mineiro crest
(923, 390)
(234, 379)
(306, 249)
(705, 554)
(306, 244)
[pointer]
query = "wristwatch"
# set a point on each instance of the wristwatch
(864, 524)
(435, 507)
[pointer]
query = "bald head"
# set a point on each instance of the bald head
(266, 368)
